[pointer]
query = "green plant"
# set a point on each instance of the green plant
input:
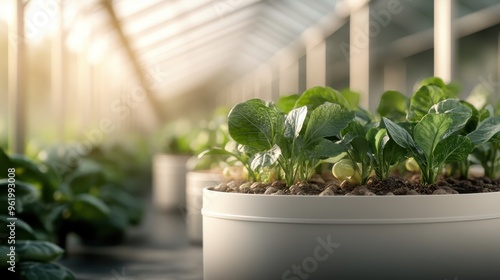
(487, 145)
(359, 150)
(432, 129)
(432, 142)
(291, 142)
(369, 146)
(94, 196)
(213, 134)
(27, 255)
(96, 200)
(385, 152)
(235, 155)
(484, 131)
(176, 137)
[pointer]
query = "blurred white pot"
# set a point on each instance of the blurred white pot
(196, 181)
(248, 237)
(169, 181)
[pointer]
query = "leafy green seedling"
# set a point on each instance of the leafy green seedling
(385, 152)
(432, 142)
(355, 137)
(486, 139)
(237, 155)
(295, 145)
(393, 105)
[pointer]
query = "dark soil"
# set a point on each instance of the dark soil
(327, 185)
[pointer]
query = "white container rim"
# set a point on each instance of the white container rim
(411, 209)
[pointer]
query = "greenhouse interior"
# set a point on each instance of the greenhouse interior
(249, 139)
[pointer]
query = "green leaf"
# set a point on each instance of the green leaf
(385, 150)
(287, 103)
(355, 135)
(435, 81)
(443, 119)
(327, 149)
(364, 116)
(316, 96)
(39, 251)
(352, 98)
(430, 131)
(423, 99)
(393, 153)
(393, 105)
(4, 163)
(266, 158)
(376, 136)
(25, 193)
(27, 170)
(254, 123)
(458, 113)
(473, 121)
(486, 112)
(44, 271)
(327, 120)
(400, 135)
(360, 150)
(452, 149)
(215, 151)
(88, 207)
(294, 121)
(23, 231)
(485, 130)
(82, 181)
(354, 129)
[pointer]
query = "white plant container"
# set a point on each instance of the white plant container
(196, 181)
(249, 236)
(169, 181)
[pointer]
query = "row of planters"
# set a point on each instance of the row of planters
(399, 201)
(93, 196)
(179, 176)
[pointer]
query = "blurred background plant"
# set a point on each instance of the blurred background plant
(97, 196)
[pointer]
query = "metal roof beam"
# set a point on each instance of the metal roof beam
(424, 40)
(178, 48)
(141, 75)
(229, 18)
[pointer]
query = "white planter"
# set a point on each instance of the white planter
(248, 237)
(195, 182)
(169, 181)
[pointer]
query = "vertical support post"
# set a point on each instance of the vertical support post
(58, 74)
(359, 54)
(444, 40)
(17, 76)
(316, 64)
